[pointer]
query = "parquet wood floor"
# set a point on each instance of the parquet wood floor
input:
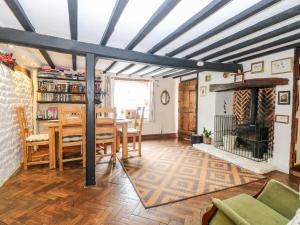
(40, 196)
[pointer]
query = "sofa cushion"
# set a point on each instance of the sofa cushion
(280, 198)
(251, 210)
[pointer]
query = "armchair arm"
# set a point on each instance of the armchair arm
(281, 198)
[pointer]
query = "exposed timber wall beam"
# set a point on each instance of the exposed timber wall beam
(90, 120)
(73, 20)
(287, 14)
(20, 14)
(258, 7)
(35, 40)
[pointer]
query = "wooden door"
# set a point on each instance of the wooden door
(187, 109)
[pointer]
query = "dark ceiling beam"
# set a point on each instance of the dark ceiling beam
(110, 67)
(175, 74)
(34, 40)
(21, 16)
(124, 69)
(194, 20)
(139, 70)
(262, 47)
(73, 20)
(165, 8)
(190, 23)
(165, 73)
(263, 37)
(287, 14)
(258, 7)
(272, 51)
(185, 74)
(113, 20)
(155, 19)
(152, 71)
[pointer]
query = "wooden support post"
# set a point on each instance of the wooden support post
(90, 120)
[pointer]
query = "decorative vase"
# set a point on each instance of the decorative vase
(207, 140)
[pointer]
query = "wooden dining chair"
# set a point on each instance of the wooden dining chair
(105, 132)
(32, 154)
(135, 132)
(71, 126)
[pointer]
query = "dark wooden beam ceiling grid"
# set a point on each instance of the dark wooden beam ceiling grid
(21, 16)
(185, 74)
(113, 20)
(73, 20)
(152, 71)
(253, 41)
(263, 47)
(194, 20)
(287, 14)
(272, 51)
(165, 8)
(165, 73)
(124, 69)
(203, 14)
(258, 7)
(176, 73)
(139, 70)
(35, 40)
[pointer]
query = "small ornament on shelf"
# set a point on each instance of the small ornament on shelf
(7, 59)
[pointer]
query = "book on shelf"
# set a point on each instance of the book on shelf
(51, 113)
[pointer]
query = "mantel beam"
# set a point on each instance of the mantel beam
(247, 84)
(34, 40)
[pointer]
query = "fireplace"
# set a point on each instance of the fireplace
(249, 131)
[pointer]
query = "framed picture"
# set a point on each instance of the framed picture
(238, 78)
(203, 91)
(257, 67)
(284, 97)
(282, 66)
(208, 78)
(282, 119)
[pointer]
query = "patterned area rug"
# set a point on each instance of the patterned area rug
(175, 173)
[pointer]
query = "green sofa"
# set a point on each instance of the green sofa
(275, 205)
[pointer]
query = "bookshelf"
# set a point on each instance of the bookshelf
(56, 88)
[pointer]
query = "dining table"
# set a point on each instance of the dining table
(52, 126)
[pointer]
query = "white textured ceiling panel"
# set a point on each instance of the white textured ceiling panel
(134, 17)
(93, 17)
(7, 18)
(180, 14)
(49, 17)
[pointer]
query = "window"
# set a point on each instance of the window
(130, 94)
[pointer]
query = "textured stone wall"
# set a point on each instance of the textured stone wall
(15, 90)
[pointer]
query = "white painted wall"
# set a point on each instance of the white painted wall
(165, 115)
(212, 104)
(15, 90)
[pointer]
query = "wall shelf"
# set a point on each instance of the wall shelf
(248, 84)
(65, 79)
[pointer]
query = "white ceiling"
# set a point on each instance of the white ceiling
(51, 17)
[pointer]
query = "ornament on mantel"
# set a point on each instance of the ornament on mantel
(7, 59)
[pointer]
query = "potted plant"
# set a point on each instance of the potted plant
(206, 136)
